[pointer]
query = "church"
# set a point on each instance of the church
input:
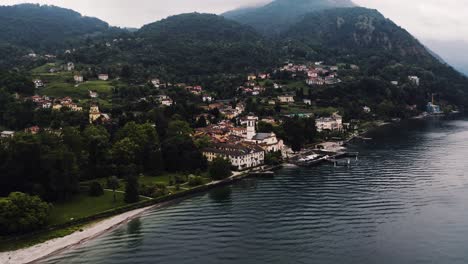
(267, 141)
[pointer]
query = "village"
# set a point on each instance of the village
(233, 134)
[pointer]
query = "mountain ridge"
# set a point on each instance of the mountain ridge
(277, 16)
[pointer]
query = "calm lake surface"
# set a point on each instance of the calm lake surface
(406, 201)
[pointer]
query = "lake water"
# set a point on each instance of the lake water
(406, 201)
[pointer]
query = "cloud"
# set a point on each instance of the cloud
(426, 19)
(135, 13)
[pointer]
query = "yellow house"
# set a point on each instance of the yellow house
(94, 113)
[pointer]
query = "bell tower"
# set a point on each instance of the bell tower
(251, 122)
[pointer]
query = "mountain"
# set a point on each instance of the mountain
(202, 44)
(278, 15)
(384, 52)
(44, 27)
(357, 32)
(186, 45)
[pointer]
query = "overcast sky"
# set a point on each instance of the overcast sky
(428, 20)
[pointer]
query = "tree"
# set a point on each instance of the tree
(132, 190)
(179, 127)
(60, 168)
(97, 145)
(113, 184)
(294, 130)
(95, 189)
(181, 155)
(220, 169)
(21, 213)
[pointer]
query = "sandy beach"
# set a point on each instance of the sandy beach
(40, 251)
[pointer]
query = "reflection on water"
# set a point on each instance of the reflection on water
(221, 195)
(405, 202)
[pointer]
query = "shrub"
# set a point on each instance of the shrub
(195, 180)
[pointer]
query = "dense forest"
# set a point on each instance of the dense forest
(45, 27)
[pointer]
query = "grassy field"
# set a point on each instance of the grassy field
(60, 87)
(149, 180)
(83, 205)
(61, 84)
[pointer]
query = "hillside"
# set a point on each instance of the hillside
(359, 32)
(278, 15)
(186, 45)
(382, 50)
(44, 27)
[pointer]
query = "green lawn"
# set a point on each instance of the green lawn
(61, 88)
(149, 180)
(82, 206)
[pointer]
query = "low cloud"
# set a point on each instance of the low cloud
(135, 13)
(426, 19)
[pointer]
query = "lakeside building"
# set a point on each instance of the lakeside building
(434, 109)
(267, 141)
(333, 123)
(242, 156)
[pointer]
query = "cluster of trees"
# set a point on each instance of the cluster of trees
(21, 213)
(50, 164)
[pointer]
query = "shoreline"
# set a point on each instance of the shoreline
(44, 250)
(91, 231)
(52, 247)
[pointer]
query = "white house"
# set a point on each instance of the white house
(307, 101)
(38, 83)
(156, 83)
(93, 94)
(164, 100)
(333, 123)
(241, 156)
(286, 99)
(103, 77)
(7, 134)
(70, 66)
(366, 109)
(78, 78)
(414, 80)
(207, 99)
